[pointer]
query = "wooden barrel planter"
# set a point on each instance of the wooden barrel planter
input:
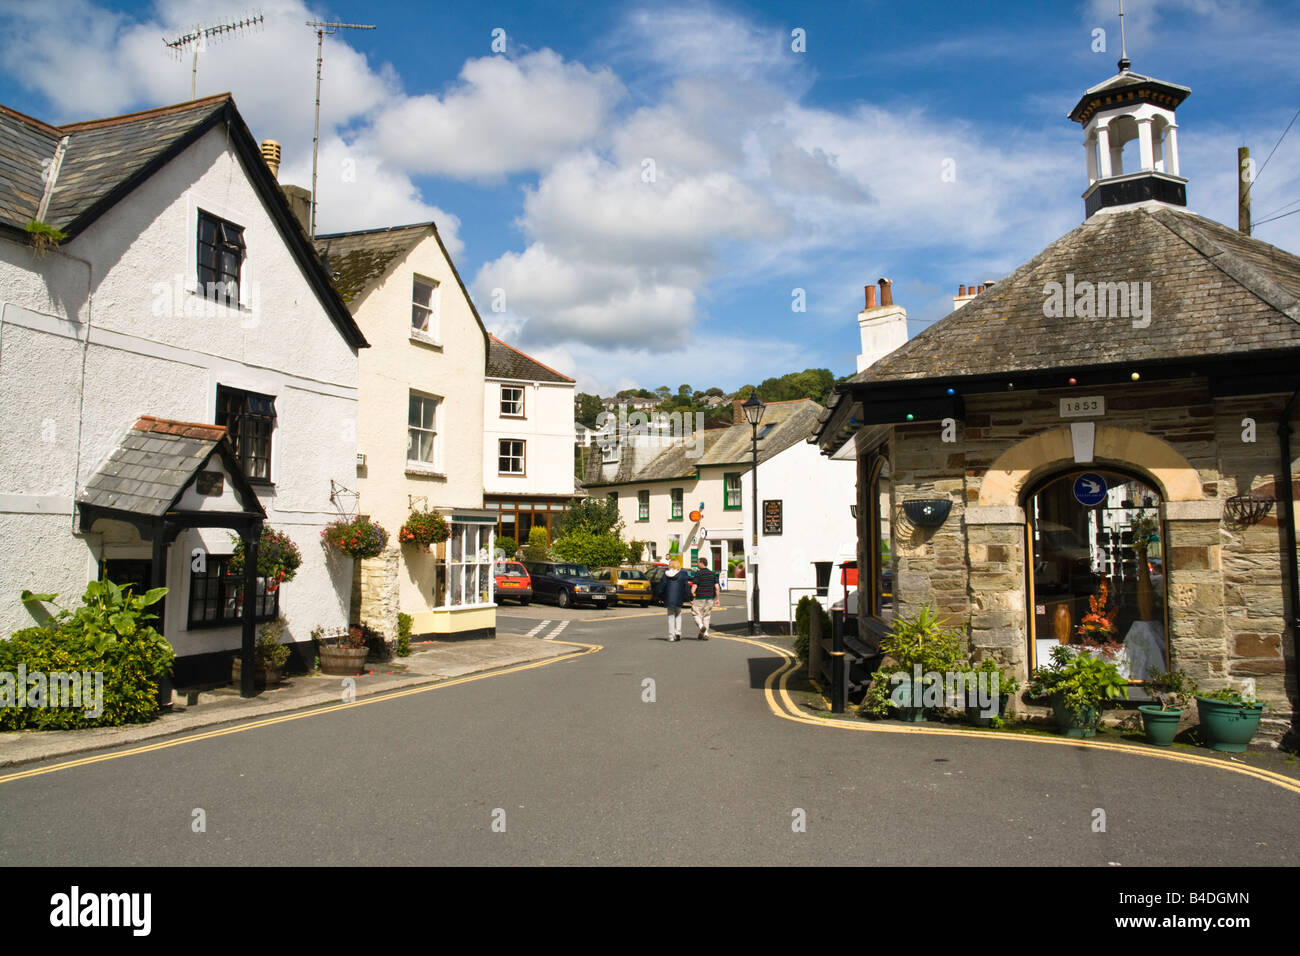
(262, 676)
(342, 661)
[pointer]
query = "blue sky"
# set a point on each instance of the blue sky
(648, 184)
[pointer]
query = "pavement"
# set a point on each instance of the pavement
(430, 662)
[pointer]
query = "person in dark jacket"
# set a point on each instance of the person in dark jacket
(674, 590)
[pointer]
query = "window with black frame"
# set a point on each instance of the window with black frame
(882, 558)
(249, 419)
(220, 258)
(217, 596)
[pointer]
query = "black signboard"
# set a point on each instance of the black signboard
(772, 516)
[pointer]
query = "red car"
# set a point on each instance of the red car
(513, 582)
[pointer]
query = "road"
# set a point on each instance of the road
(642, 752)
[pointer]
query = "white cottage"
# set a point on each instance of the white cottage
(175, 367)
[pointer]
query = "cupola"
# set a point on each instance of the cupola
(1131, 141)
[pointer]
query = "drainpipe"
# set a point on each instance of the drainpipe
(1284, 431)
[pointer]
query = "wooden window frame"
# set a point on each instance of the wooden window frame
(213, 257)
(740, 492)
(523, 401)
(250, 421)
(228, 586)
(522, 456)
(411, 429)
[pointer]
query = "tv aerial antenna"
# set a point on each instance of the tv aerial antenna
(323, 28)
(198, 40)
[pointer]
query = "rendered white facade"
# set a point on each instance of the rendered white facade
(816, 494)
(108, 328)
(546, 427)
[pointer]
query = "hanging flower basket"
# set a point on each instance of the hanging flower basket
(356, 537)
(278, 558)
(424, 528)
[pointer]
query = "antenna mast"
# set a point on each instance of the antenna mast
(322, 28)
(198, 38)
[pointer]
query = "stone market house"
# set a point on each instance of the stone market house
(420, 428)
(1119, 409)
(177, 368)
(528, 442)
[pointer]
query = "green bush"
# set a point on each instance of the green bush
(593, 550)
(920, 639)
(1081, 681)
(802, 625)
(269, 651)
(404, 623)
(507, 545)
(634, 551)
(595, 516)
(538, 547)
(107, 635)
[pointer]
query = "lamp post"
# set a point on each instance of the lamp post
(753, 408)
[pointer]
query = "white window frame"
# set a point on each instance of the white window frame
(431, 331)
(436, 459)
(464, 573)
(522, 402)
(522, 457)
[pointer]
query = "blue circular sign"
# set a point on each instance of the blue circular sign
(1090, 489)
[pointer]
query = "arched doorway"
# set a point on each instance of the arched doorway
(1096, 569)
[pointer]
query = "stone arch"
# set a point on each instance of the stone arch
(1053, 450)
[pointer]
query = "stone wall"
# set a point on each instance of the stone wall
(1225, 583)
(375, 592)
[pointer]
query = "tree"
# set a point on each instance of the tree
(537, 548)
(588, 408)
(593, 550)
(595, 516)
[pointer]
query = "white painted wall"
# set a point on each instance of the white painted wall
(453, 371)
(817, 493)
(548, 430)
(102, 331)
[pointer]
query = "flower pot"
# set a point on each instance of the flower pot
(976, 714)
(1081, 725)
(265, 676)
(342, 661)
(1228, 725)
(1161, 726)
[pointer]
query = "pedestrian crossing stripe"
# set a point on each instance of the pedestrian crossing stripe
(539, 627)
(556, 633)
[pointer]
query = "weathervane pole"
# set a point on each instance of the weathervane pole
(1124, 63)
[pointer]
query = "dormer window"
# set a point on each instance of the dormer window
(221, 254)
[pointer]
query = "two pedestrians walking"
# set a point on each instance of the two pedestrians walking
(677, 588)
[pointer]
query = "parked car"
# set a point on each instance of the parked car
(631, 584)
(652, 577)
(513, 582)
(568, 584)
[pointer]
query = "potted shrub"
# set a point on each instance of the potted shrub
(423, 528)
(1007, 685)
(269, 656)
(278, 558)
(1229, 718)
(357, 537)
(919, 643)
(1160, 720)
(342, 652)
(1077, 685)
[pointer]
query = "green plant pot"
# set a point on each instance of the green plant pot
(1083, 725)
(977, 718)
(1161, 726)
(1228, 726)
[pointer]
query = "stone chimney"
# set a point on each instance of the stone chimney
(299, 199)
(883, 327)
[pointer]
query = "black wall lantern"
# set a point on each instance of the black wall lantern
(927, 512)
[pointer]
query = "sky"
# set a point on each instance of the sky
(649, 194)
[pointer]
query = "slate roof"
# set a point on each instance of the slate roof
(104, 160)
(791, 422)
(506, 361)
(356, 261)
(1214, 292)
(154, 462)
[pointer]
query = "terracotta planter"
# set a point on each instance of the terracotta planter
(342, 661)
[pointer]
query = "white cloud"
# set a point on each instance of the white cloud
(506, 116)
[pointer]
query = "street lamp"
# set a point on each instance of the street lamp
(753, 408)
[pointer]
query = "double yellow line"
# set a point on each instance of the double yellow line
(776, 691)
(313, 712)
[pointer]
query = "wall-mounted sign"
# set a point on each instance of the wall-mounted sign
(210, 483)
(695, 516)
(1090, 489)
(772, 515)
(1088, 407)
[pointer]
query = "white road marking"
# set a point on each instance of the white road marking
(556, 633)
(539, 627)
